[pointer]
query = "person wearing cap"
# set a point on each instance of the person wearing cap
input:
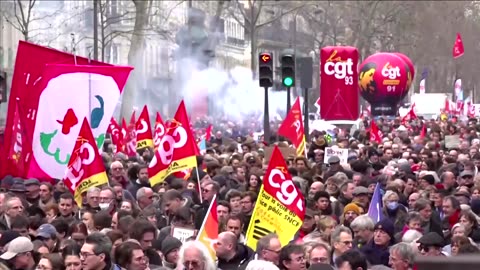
(170, 248)
(350, 212)
(18, 188)
(360, 196)
(32, 194)
(466, 179)
(463, 196)
(335, 167)
(431, 244)
(20, 254)
(48, 234)
(308, 225)
(376, 250)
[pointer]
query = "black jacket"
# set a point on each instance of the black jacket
(240, 261)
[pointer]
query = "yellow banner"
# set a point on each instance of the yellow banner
(93, 181)
(144, 144)
(271, 216)
(175, 166)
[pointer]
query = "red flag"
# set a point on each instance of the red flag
(292, 128)
(423, 133)
(159, 131)
(411, 115)
(280, 206)
(471, 110)
(117, 136)
(85, 168)
(375, 133)
(143, 130)
(208, 133)
(129, 146)
(459, 107)
(458, 50)
(176, 151)
(29, 65)
(15, 153)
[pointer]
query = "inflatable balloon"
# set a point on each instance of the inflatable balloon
(383, 81)
(411, 71)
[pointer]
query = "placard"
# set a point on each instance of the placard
(452, 141)
(342, 154)
(183, 234)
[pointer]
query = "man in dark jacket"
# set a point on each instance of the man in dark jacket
(376, 250)
(231, 254)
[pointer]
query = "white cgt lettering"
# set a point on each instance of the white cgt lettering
(339, 69)
(159, 132)
(75, 172)
(390, 72)
(143, 128)
(167, 156)
(297, 126)
(283, 194)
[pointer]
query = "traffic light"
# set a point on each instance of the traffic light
(287, 63)
(265, 69)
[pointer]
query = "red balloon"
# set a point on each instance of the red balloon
(411, 68)
(383, 82)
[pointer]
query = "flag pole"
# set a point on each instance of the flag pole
(199, 185)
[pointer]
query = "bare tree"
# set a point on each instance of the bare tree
(137, 44)
(251, 18)
(21, 16)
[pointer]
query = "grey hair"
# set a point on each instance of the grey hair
(204, 253)
(102, 243)
(387, 195)
(141, 192)
(411, 236)
(264, 242)
(261, 265)
(363, 222)
(335, 237)
(405, 251)
(93, 189)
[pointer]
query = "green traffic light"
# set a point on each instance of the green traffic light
(288, 81)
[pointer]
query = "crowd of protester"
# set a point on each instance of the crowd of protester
(430, 192)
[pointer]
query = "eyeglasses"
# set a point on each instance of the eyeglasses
(86, 255)
(117, 169)
(194, 264)
(204, 190)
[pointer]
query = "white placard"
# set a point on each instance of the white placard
(342, 154)
(183, 234)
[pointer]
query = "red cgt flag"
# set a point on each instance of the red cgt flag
(159, 131)
(143, 130)
(115, 131)
(458, 49)
(15, 154)
(411, 115)
(85, 168)
(375, 133)
(129, 146)
(176, 151)
(292, 128)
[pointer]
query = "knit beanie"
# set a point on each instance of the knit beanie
(170, 243)
(352, 207)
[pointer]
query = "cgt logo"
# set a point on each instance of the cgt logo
(168, 144)
(341, 69)
(75, 172)
(286, 192)
(390, 71)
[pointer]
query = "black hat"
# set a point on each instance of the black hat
(387, 226)
(18, 186)
(333, 160)
(320, 266)
(31, 182)
(431, 239)
(8, 236)
(170, 243)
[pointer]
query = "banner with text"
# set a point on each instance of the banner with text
(280, 207)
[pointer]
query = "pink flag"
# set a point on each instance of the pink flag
(458, 47)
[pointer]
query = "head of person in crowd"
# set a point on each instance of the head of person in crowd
(193, 255)
(51, 261)
(350, 260)
(292, 257)
(170, 247)
(431, 244)
(268, 248)
(326, 225)
(341, 240)
(319, 253)
(71, 257)
(95, 252)
(144, 232)
(402, 256)
(363, 229)
(20, 253)
(129, 255)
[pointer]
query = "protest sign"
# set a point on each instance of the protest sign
(340, 153)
